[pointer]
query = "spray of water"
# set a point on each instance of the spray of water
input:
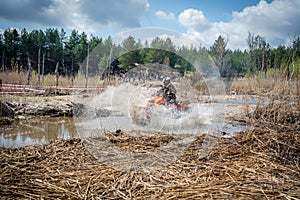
(121, 106)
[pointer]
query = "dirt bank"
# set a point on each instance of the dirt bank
(6, 114)
(54, 106)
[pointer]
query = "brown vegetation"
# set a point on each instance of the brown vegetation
(255, 164)
(278, 116)
(49, 80)
(273, 87)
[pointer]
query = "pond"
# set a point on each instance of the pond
(36, 130)
(41, 130)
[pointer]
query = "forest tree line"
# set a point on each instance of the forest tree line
(52, 51)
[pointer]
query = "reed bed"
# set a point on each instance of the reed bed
(273, 87)
(279, 116)
(50, 80)
(256, 164)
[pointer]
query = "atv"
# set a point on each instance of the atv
(142, 114)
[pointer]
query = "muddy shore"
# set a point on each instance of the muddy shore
(38, 106)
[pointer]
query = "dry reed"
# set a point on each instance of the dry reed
(255, 164)
(276, 115)
(49, 80)
(274, 88)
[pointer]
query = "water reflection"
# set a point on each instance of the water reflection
(39, 130)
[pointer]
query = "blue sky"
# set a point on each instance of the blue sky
(214, 10)
(201, 20)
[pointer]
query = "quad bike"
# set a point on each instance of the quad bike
(142, 114)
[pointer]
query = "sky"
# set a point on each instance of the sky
(200, 20)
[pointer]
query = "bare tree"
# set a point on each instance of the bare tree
(29, 70)
(87, 66)
(43, 67)
(56, 77)
(39, 66)
(295, 49)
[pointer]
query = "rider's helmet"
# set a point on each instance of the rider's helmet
(166, 81)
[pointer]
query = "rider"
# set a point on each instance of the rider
(168, 90)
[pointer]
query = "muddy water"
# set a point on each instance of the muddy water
(36, 130)
(41, 130)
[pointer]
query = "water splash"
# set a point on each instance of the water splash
(113, 109)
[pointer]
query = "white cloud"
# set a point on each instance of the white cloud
(162, 15)
(88, 16)
(276, 21)
(194, 19)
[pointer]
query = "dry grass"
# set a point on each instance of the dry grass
(21, 79)
(253, 165)
(49, 80)
(278, 116)
(275, 87)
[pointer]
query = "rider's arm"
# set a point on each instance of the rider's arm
(172, 89)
